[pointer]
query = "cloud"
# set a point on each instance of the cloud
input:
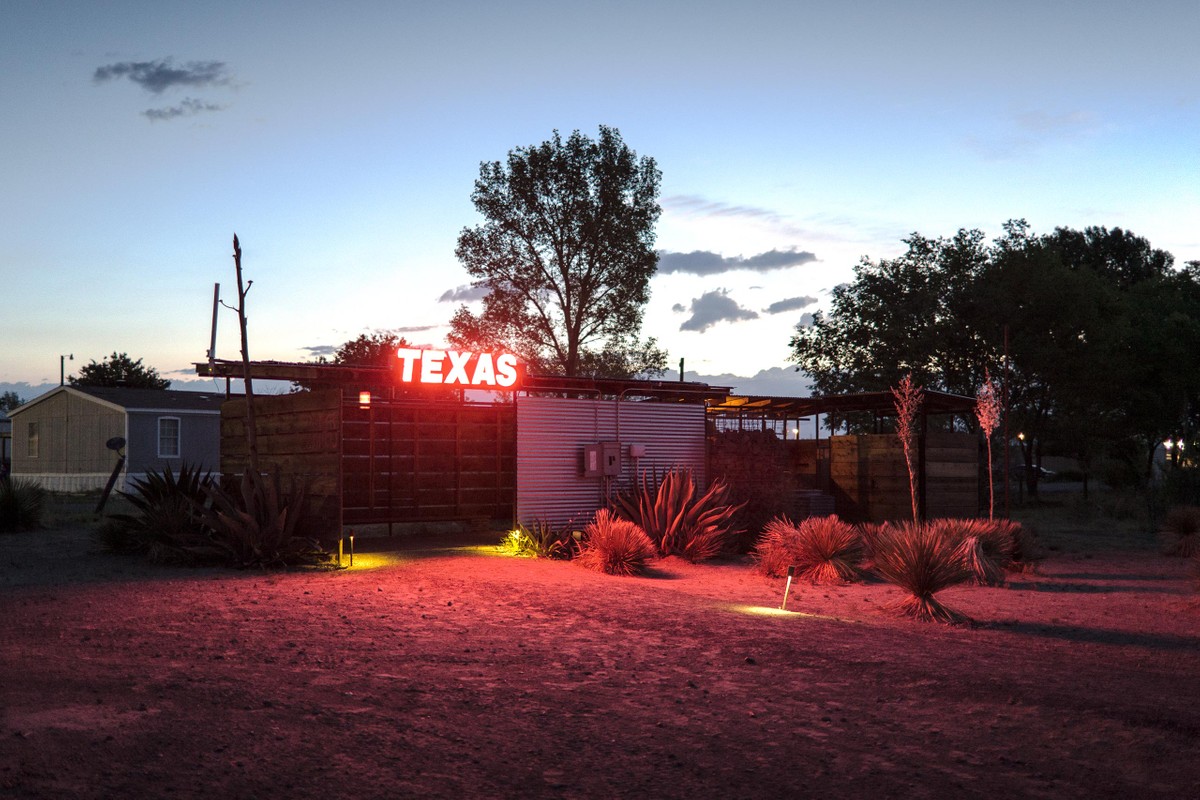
(712, 307)
(320, 350)
(1027, 132)
(415, 328)
(158, 76)
(187, 108)
(704, 262)
(790, 304)
(679, 308)
(806, 319)
(696, 206)
(463, 294)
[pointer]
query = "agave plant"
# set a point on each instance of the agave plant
(22, 504)
(168, 525)
(679, 519)
(614, 546)
(823, 549)
(1180, 534)
(922, 561)
(255, 525)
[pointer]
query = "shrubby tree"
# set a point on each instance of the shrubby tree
(566, 252)
(10, 400)
(119, 370)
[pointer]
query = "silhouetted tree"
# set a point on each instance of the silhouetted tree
(566, 253)
(10, 400)
(119, 370)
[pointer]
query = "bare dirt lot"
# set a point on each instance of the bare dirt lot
(437, 668)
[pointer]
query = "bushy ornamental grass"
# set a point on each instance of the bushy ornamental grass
(539, 539)
(1180, 534)
(869, 533)
(167, 525)
(22, 504)
(614, 546)
(1026, 551)
(923, 561)
(678, 518)
(823, 549)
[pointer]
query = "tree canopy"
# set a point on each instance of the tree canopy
(119, 370)
(566, 253)
(10, 400)
(1104, 333)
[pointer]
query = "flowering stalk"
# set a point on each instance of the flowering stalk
(907, 401)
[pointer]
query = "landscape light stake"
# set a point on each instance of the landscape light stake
(341, 543)
(787, 587)
(352, 548)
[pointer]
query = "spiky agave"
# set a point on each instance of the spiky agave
(984, 547)
(922, 561)
(22, 504)
(679, 519)
(168, 520)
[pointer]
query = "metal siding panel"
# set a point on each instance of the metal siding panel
(552, 432)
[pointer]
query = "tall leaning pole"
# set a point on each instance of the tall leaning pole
(251, 427)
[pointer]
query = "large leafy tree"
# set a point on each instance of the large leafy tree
(10, 400)
(119, 370)
(566, 252)
(1104, 335)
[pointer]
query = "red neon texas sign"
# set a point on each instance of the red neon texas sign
(457, 368)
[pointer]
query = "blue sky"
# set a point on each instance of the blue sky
(341, 144)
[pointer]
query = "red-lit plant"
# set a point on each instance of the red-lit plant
(614, 546)
(1180, 534)
(679, 519)
(987, 411)
(923, 562)
(984, 547)
(907, 401)
(823, 549)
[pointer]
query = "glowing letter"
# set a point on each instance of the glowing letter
(458, 367)
(431, 366)
(408, 357)
(485, 373)
(506, 374)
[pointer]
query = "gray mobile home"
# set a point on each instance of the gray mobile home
(59, 439)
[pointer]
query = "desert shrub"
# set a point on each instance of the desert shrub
(1180, 532)
(167, 525)
(614, 546)
(22, 504)
(255, 524)
(1026, 550)
(984, 546)
(823, 549)
(869, 533)
(677, 518)
(539, 539)
(923, 561)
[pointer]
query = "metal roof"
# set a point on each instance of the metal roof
(129, 399)
(882, 403)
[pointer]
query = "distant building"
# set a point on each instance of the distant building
(60, 439)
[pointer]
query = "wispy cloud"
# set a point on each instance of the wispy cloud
(1027, 132)
(320, 350)
(415, 328)
(705, 262)
(189, 107)
(789, 304)
(463, 294)
(712, 307)
(162, 74)
(697, 206)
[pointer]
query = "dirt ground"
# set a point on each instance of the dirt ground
(437, 668)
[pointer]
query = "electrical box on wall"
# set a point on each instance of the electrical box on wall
(601, 459)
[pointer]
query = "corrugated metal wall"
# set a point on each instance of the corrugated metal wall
(551, 436)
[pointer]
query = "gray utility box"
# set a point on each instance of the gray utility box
(601, 459)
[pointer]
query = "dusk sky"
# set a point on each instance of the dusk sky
(341, 142)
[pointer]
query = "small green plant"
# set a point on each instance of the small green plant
(22, 504)
(922, 561)
(679, 519)
(255, 525)
(1180, 533)
(823, 549)
(539, 539)
(614, 546)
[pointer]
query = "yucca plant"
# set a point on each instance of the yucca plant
(984, 547)
(538, 539)
(1026, 551)
(22, 504)
(614, 546)
(1180, 534)
(679, 519)
(255, 525)
(168, 524)
(923, 562)
(823, 549)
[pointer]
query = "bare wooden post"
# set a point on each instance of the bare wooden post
(251, 427)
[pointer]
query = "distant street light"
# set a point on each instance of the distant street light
(62, 368)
